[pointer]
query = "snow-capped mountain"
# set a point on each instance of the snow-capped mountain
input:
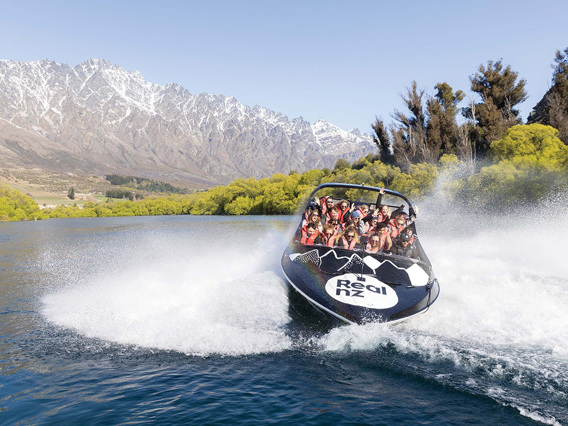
(100, 118)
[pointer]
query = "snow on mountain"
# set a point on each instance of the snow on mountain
(98, 117)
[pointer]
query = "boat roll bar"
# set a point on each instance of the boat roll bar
(362, 187)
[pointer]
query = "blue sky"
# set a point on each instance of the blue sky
(344, 61)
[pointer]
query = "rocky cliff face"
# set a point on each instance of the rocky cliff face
(99, 118)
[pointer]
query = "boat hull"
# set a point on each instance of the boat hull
(357, 287)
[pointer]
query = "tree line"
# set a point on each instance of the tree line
(429, 129)
(145, 184)
(527, 164)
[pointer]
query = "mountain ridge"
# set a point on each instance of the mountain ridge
(97, 117)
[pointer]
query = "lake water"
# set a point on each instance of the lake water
(188, 320)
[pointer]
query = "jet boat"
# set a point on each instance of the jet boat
(353, 285)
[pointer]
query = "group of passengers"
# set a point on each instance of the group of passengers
(339, 224)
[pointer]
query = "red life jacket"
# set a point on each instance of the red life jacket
(395, 229)
(342, 213)
(310, 240)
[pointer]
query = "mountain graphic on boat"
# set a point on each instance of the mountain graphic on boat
(332, 263)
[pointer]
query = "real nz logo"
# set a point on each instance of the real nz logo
(361, 290)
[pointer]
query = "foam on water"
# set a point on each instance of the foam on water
(217, 299)
(501, 317)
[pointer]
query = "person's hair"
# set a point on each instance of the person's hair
(346, 230)
(334, 209)
(381, 226)
(374, 235)
(310, 225)
(328, 227)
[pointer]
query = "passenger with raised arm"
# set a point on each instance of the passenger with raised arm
(315, 219)
(370, 225)
(401, 222)
(348, 239)
(356, 217)
(384, 213)
(379, 241)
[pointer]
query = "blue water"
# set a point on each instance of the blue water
(177, 320)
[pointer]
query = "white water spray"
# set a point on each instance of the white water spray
(501, 316)
(198, 295)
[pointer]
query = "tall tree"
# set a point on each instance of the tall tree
(442, 128)
(409, 132)
(500, 92)
(552, 109)
(381, 138)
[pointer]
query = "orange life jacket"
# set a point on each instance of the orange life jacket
(310, 240)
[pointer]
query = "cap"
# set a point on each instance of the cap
(405, 237)
(356, 213)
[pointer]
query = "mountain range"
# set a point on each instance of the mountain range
(97, 118)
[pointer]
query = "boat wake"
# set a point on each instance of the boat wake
(220, 299)
(498, 329)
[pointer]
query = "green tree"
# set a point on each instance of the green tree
(409, 133)
(341, 164)
(442, 128)
(532, 146)
(71, 193)
(500, 92)
(382, 139)
(532, 164)
(552, 109)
